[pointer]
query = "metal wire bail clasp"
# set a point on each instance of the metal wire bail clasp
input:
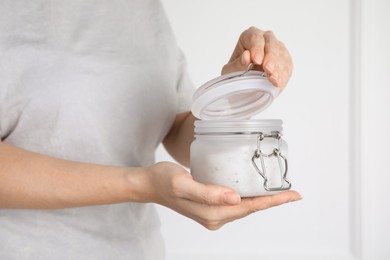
(282, 161)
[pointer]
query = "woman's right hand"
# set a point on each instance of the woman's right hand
(210, 205)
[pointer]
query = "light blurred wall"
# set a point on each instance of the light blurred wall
(336, 117)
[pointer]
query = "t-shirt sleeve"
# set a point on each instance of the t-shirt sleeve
(185, 86)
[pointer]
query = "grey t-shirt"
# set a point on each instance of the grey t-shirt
(90, 81)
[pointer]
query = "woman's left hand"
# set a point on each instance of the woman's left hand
(266, 52)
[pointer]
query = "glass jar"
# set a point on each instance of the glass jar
(248, 156)
(231, 149)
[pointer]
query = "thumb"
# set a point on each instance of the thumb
(240, 63)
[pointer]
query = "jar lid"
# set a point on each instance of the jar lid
(237, 95)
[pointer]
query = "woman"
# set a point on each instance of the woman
(88, 89)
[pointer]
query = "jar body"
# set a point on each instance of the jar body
(231, 154)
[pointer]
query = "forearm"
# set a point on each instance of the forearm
(31, 180)
(179, 139)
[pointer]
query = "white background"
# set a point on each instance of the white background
(336, 121)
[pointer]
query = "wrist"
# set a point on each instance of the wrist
(140, 185)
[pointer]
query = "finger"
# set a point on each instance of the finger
(240, 63)
(261, 203)
(214, 217)
(253, 40)
(251, 205)
(209, 194)
(277, 61)
(271, 63)
(280, 73)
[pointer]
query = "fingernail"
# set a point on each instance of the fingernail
(245, 57)
(243, 61)
(258, 59)
(231, 198)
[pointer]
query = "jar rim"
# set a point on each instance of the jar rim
(242, 126)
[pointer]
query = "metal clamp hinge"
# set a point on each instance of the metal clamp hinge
(282, 161)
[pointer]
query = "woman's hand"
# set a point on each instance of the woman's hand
(264, 50)
(33, 181)
(210, 205)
